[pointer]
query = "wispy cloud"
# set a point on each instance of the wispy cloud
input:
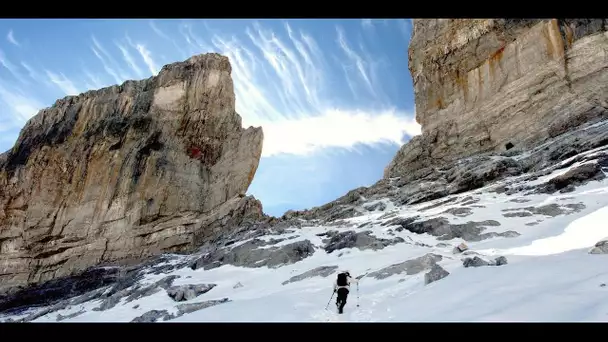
(21, 107)
(356, 61)
(147, 57)
(251, 96)
(182, 31)
(293, 68)
(158, 31)
(201, 44)
(36, 76)
(63, 83)
(367, 23)
(110, 66)
(95, 81)
(283, 80)
(107, 67)
(10, 67)
(11, 38)
(281, 85)
(30, 71)
(163, 35)
(129, 59)
(337, 128)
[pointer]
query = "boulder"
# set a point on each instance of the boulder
(478, 262)
(321, 271)
(460, 248)
(409, 267)
(600, 248)
(436, 273)
(188, 292)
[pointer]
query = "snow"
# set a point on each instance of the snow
(581, 233)
(550, 276)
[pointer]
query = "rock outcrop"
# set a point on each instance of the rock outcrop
(126, 172)
(491, 85)
(409, 267)
(436, 273)
(600, 248)
(188, 292)
(478, 262)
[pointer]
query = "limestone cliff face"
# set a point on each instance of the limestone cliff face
(490, 85)
(126, 172)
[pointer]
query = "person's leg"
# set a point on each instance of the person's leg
(338, 298)
(342, 294)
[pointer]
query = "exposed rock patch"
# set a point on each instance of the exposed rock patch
(501, 260)
(362, 240)
(519, 200)
(379, 206)
(478, 262)
(600, 248)
(575, 177)
(61, 317)
(474, 262)
(57, 290)
(322, 271)
(409, 267)
(551, 210)
(517, 214)
(188, 292)
(400, 221)
(460, 248)
(439, 203)
(192, 307)
(459, 211)
(250, 254)
(153, 316)
(436, 273)
(469, 200)
(130, 291)
(444, 230)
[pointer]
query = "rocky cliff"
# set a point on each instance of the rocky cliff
(126, 172)
(495, 98)
(499, 84)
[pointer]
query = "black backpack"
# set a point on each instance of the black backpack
(342, 279)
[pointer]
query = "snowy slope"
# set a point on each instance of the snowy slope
(550, 274)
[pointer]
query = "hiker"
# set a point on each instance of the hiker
(342, 287)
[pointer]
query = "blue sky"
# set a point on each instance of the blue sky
(334, 97)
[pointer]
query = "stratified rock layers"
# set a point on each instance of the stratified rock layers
(126, 172)
(492, 85)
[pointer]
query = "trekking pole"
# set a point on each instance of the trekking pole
(359, 279)
(332, 296)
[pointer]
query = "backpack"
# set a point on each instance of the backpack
(342, 279)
